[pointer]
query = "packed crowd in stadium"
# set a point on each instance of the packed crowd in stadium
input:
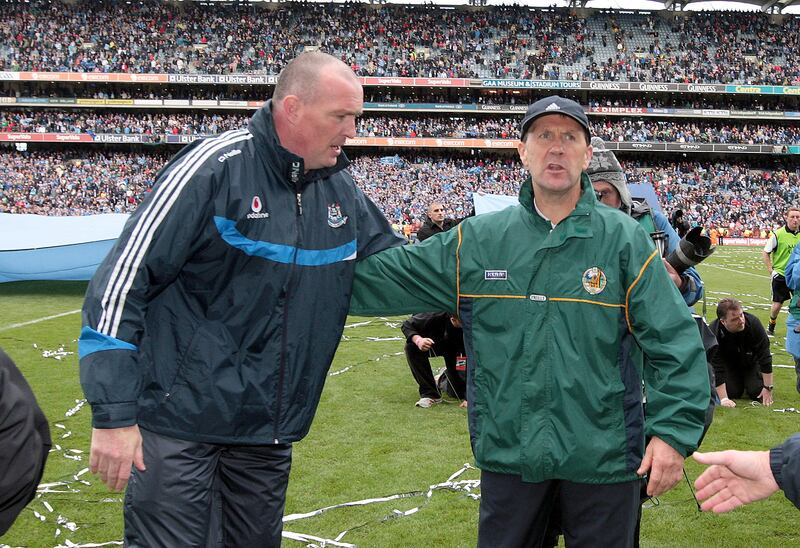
(452, 95)
(154, 36)
(502, 42)
(712, 194)
(192, 123)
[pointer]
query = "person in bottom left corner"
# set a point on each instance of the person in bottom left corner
(24, 443)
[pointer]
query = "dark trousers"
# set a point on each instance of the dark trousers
(204, 495)
(420, 365)
(515, 514)
(743, 378)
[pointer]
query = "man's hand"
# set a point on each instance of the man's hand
(423, 343)
(727, 402)
(664, 466)
(113, 452)
(766, 397)
(673, 274)
(734, 478)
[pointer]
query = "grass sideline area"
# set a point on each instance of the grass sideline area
(369, 441)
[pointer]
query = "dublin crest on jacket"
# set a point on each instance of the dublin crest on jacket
(335, 217)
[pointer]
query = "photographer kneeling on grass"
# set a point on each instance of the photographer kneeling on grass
(742, 363)
(436, 334)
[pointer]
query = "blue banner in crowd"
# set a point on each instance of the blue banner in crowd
(37, 247)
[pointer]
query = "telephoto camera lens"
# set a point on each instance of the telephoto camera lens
(693, 249)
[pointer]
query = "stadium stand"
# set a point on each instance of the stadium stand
(712, 126)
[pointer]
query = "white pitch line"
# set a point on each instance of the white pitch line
(737, 271)
(39, 320)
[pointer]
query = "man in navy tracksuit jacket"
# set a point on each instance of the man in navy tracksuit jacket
(210, 327)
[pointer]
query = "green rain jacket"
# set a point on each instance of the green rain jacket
(556, 321)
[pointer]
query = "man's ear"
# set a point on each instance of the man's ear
(523, 153)
(292, 106)
(589, 153)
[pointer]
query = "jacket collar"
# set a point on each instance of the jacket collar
(586, 203)
(274, 155)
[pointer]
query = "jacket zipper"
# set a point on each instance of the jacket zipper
(285, 326)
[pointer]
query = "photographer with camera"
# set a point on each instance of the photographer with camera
(611, 186)
(436, 334)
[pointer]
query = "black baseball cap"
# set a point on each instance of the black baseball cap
(555, 105)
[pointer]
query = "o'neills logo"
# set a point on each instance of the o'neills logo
(255, 206)
(294, 173)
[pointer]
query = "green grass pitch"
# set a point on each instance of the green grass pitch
(368, 440)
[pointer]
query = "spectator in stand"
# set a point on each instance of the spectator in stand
(742, 363)
(777, 250)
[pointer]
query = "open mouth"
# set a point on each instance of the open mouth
(337, 149)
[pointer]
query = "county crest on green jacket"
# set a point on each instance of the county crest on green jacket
(556, 324)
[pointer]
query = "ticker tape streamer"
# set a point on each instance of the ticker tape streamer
(357, 324)
(467, 486)
(786, 410)
(363, 502)
(311, 538)
(70, 544)
(78, 405)
(351, 366)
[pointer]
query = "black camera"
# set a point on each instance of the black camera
(693, 249)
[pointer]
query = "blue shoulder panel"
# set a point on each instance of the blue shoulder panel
(281, 253)
(92, 341)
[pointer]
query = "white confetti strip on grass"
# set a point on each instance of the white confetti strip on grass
(465, 486)
(78, 406)
(69, 544)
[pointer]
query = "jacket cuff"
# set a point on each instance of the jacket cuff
(114, 415)
(776, 464)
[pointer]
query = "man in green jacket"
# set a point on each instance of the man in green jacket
(559, 297)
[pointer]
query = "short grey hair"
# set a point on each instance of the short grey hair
(300, 76)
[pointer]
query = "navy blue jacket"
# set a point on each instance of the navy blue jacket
(24, 443)
(216, 315)
(784, 461)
